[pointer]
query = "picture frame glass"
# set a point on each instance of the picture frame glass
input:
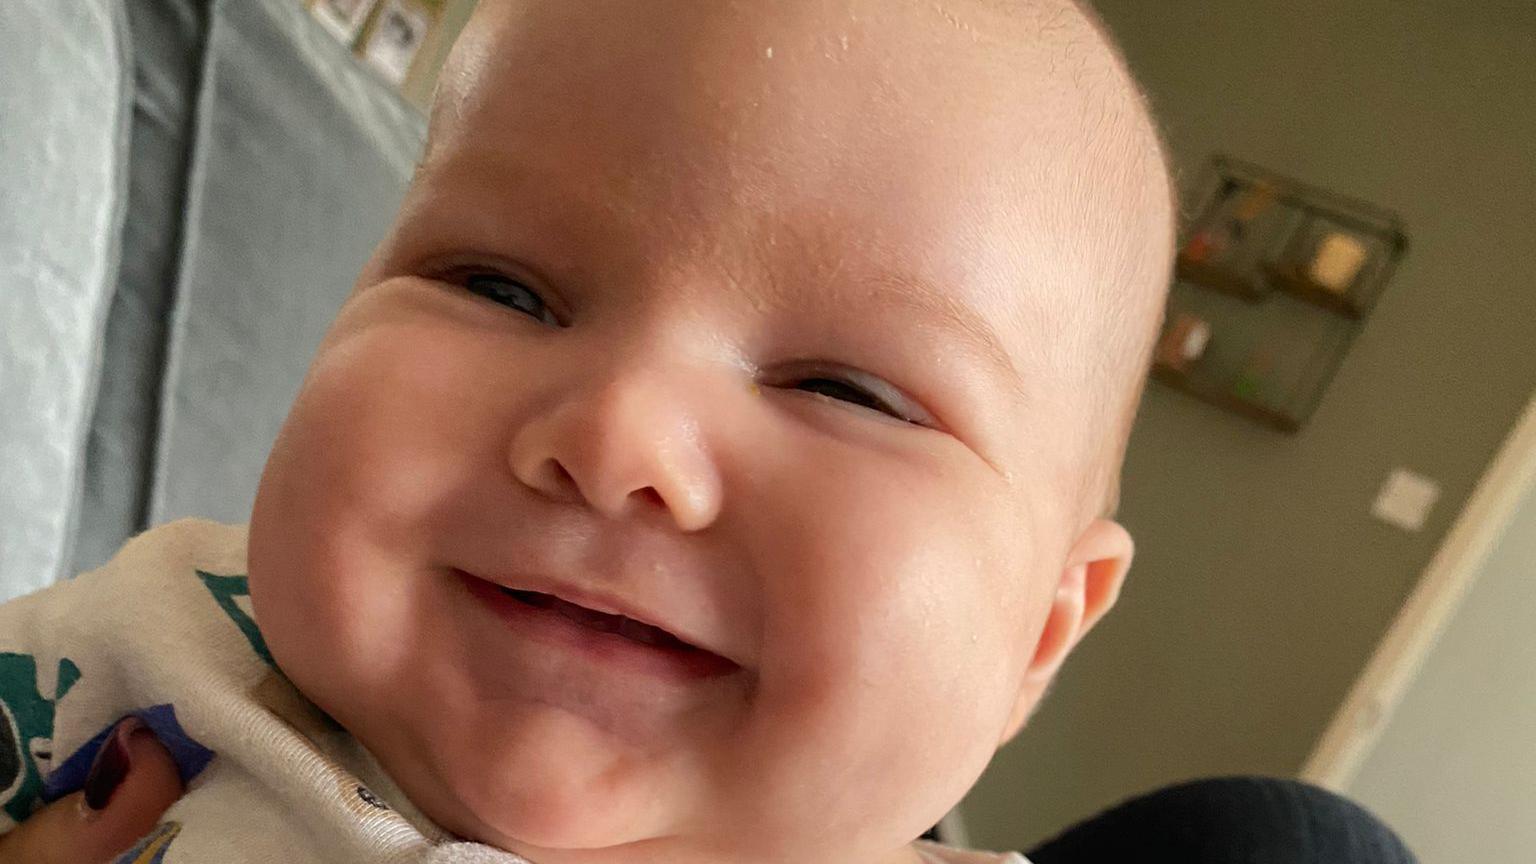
(397, 37)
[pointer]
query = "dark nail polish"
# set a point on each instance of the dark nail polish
(110, 766)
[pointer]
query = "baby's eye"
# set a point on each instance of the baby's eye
(832, 388)
(510, 292)
(874, 395)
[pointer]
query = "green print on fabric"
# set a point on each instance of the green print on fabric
(26, 732)
(225, 590)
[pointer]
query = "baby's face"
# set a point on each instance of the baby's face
(754, 327)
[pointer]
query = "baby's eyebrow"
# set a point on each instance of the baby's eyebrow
(954, 316)
(939, 309)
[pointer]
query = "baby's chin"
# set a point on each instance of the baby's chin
(542, 784)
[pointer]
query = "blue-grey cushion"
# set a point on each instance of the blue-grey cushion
(301, 157)
(168, 38)
(64, 94)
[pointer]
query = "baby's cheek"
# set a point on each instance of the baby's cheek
(947, 653)
(896, 633)
(364, 453)
(934, 598)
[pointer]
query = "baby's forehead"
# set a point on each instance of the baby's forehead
(955, 107)
(919, 158)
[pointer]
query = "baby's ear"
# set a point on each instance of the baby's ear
(1088, 587)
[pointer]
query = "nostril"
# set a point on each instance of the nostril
(649, 495)
(557, 482)
(562, 477)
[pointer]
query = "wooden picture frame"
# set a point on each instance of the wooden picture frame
(394, 41)
(343, 18)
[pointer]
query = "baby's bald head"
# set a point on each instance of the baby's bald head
(1010, 130)
(810, 328)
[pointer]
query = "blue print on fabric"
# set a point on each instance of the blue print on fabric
(190, 757)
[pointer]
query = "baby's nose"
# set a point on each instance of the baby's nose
(624, 447)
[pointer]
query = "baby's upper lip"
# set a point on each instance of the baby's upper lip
(608, 602)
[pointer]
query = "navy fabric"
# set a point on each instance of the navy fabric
(1231, 820)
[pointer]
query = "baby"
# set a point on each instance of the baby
(714, 464)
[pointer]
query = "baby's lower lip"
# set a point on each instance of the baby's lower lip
(623, 643)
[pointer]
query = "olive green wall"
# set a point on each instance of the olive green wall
(1262, 583)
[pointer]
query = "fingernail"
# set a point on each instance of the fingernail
(110, 767)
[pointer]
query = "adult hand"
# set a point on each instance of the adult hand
(129, 787)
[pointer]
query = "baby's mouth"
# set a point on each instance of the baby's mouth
(610, 639)
(602, 622)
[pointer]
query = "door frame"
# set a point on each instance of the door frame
(1397, 659)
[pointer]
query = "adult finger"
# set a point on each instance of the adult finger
(131, 784)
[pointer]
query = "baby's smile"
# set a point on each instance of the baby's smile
(610, 637)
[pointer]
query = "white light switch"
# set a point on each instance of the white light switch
(1405, 500)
